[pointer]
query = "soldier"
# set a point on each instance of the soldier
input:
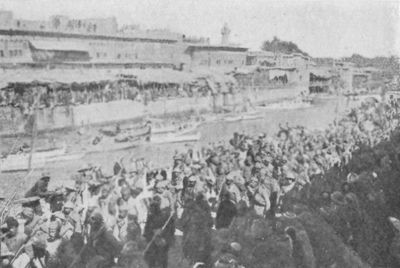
(159, 233)
(52, 244)
(33, 222)
(14, 236)
(259, 196)
(66, 228)
(40, 188)
(120, 229)
(229, 257)
(197, 225)
(102, 245)
(231, 188)
(302, 251)
(5, 256)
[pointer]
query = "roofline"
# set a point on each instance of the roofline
(11, 32)
(223, 48)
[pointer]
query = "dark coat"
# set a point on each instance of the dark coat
(197, 233)
(225, 214)
(103, 243)
(157, 253)
(39, 189)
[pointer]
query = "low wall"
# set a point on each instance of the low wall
(12, 121)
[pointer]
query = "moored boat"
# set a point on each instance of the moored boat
(285, 106)
(174, 138)
(242, 117)
(20, 161)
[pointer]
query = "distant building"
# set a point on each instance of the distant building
(99, 42)
(221, 57)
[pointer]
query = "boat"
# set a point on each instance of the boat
(242, 117)
(111, 145)
(285, 105)
(176, 128)
(187, 128)
(20, 161)
(174, 138)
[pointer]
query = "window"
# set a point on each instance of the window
(1, 53)
(98, 55)
(218, 62)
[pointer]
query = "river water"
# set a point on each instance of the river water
(318, 116)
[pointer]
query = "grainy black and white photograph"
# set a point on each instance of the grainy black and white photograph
(199, 134)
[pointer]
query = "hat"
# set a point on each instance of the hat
(338, 198)
(59, 215)
(236, 246)
(187, 170)
(196, 166)
(159, 177)
(229, 177)
(352, 177)
(177, 170)
(69, 204)
(289, 175)
(161, 184)
(45, 176)
(54, 226)
(28, 212)
(192, 178)
(254, 179)
(97, 216)
(38, 242)
(395, 222)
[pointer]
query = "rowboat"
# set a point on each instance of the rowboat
(111, 145)
(174, 138)
(285, 106)
(20, 161)
(243, 117)
(177, 129)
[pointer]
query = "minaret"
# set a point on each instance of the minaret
(225, 32)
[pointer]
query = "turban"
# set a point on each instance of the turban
(28, 212)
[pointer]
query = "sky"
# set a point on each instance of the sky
(325, 28)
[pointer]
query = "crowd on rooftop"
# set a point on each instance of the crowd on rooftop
(131, 217)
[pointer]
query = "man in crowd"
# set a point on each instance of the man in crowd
(159, 233)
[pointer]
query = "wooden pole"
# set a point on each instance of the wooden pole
(34, 132)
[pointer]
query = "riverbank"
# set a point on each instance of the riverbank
(13, 122)
(319, 116)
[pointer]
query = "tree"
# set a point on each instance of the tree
(280, 46)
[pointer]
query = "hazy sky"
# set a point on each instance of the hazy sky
(321, 28)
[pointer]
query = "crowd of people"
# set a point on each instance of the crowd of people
(132, 217)
(48, 96)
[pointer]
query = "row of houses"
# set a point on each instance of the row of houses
(99, 42)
